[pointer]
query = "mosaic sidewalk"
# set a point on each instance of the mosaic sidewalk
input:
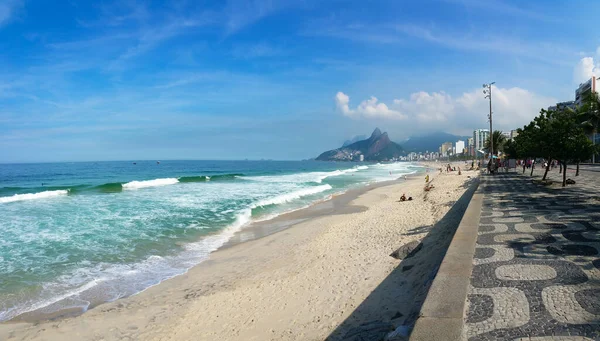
(536, 273)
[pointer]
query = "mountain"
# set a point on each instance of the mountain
(378, 147)
(354, 139)
(430, 142)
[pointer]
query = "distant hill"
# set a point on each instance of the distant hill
(378, 147)
(354, 139)
(430, 142)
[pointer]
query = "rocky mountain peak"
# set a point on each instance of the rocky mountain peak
(376, 133)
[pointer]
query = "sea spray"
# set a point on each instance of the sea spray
(150, 183)
(33, 196)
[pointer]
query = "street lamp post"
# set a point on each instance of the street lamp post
(487, 90)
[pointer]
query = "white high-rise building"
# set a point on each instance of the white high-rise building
(584, 90)
(460, 146)
(479, 138)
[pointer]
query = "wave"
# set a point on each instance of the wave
(285, 198)
(33, 196)
(107, 282)
(150, 183)
(362, 167)
(209, 178)
(112, 187)
(335, 173)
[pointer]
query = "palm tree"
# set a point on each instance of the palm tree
(499, 141)
(589, 114)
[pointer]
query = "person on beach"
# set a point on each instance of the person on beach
(427, 178)
(403, 198)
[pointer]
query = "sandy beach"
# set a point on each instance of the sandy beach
(320, 278)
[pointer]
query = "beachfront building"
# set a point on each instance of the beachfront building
(446, 147)
(471, 147)
(506, 134)
(514, 133)
(563, 105)
(585, 89)
(479, 138)
(460, 147)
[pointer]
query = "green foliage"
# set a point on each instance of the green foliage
(498, 139)
(511, 149)
(589, 114)
(555, 135)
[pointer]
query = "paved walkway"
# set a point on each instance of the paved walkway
(536, 273)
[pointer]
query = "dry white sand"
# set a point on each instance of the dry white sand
(298, 284)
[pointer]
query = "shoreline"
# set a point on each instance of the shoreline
(227, 269)
(337, 203)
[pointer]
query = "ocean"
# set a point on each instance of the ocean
(77, 234)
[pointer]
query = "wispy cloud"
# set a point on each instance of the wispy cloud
(257, 50)
(335, 26)
(560, 54)
(116, 14)
(503, 7)
(241, 13)
(8, 9)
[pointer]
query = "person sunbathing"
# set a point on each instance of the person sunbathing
(403, 198)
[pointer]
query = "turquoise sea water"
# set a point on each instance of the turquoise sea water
(77, 234)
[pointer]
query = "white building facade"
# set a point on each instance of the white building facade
(479, 138)
(460, 147)
(584, 90)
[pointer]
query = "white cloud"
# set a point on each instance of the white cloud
(370, 108)
(512, 108)
(587, 68)
(428, 107)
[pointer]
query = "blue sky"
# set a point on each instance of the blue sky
(83, 80)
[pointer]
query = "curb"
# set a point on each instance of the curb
(442, 313)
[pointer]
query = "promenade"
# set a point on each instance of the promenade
(536, 266)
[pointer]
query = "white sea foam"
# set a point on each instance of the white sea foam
(33, 196)
(150, 183)
(107, 282)
(284, 198)
(316, 177)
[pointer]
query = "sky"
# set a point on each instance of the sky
(275, 79)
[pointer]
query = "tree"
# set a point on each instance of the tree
(531, 141)
(558, 135)
(511, 149)
(566, 140)
(498, 139)
(589, 115)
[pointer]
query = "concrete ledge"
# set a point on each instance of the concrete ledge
(442, 313)
(434, 329)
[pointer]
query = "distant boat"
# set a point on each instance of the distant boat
(135, 163)
(158, 162)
